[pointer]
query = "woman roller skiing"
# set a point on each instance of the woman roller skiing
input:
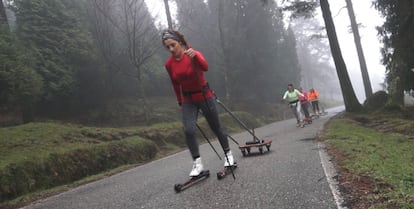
(185, 67)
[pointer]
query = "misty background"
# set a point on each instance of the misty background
(367, 17)
(102, 61)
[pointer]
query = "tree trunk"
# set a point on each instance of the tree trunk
(167, 12)
(351, 102)
(3, 16)
(226, 50)
(143, 96)
(395, 82)
(361, 57)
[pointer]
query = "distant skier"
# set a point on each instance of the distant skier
(313, 98)
(193, 93)
(304, 102)
(292, 96)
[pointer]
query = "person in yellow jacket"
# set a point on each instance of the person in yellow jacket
(292, 96)
(313, 98)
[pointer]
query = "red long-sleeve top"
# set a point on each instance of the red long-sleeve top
(184, 78)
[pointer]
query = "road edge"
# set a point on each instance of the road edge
(330, 174)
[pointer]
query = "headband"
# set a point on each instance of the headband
(168, 35)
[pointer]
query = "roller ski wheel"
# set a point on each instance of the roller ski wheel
(300, 125)
(314, 116)
(307, 121)
(323, 113)
(226, 171)
(178, 187)
(193, 180)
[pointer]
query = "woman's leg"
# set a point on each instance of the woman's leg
(305, 110)
(317, 106)
(313, 107)
(298, 110)
(210, 113)
(295, 112)
(190, 111)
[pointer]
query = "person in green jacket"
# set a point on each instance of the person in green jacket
(292, 96)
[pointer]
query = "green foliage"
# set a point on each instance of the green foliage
(387, 158)
(300, 8)
(65, 167)
(54, 33)
(20, 85)
(396, 33)
(315, 57)
(42, 155)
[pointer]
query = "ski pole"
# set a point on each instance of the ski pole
(235, 118)
(233, 139)
(205, 136)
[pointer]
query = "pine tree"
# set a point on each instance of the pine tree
(397, 36)
(20, 85)
(54, 33)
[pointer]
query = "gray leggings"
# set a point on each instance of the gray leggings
(190, 113)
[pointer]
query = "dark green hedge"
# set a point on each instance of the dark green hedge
(62, 168)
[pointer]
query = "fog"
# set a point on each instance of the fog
(366, 16)
(111, 53)
(369, 18)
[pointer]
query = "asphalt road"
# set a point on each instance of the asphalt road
(291, 175)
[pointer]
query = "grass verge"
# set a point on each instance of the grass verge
(375, 158)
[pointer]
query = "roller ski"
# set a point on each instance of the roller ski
(304, 122)
(315, 116)
(300, 124)
(193, 180)
(226, 171)
(307, 120)
(196, 175)
(229, 166)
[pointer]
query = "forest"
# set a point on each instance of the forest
(65, 59)
(78, 59)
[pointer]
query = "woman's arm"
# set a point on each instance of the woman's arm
(298, 93)
(198, 57)
(176, 87)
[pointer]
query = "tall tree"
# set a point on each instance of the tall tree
(109, 46)
(20, 85)
(361, 57)
(55, 34)
(142, 41)
(315, 56)
(351, 102)
(254, 46)
(136, 27)
(3, 16)
(225, 49)
(398, 49)
(168, 14)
